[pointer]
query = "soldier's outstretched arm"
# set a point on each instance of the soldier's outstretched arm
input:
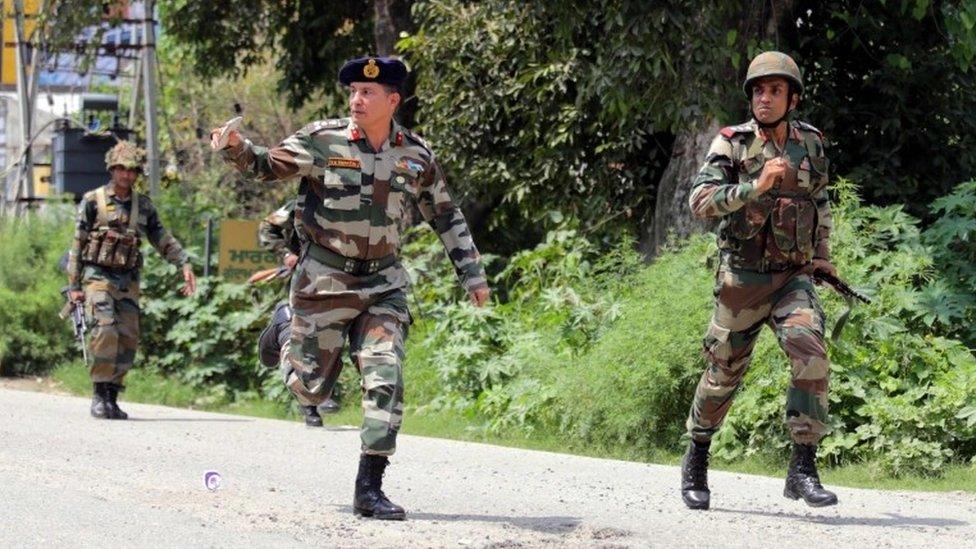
(439, 210)
(292, 157)
(716, 191)
(170, 248)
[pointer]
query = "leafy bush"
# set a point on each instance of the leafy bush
(610, 357)
(949, 302)
(209, 339)
(33, 339)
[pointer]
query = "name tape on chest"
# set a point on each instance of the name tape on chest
(342, 162)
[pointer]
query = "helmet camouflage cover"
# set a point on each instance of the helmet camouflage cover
(772, 63)
(125, 154)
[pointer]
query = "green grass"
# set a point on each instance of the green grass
(152, 388)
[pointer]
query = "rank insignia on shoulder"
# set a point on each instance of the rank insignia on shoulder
(342, 162)
(331, 124)
(730, 131)
(808, 127)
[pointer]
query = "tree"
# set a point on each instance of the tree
(310, 39)
(601, 110)
(604, 109)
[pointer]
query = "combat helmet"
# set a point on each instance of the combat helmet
(773, 63)
(125, 154)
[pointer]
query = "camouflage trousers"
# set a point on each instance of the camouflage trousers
(745, 301)
(113, 318)
(376, 326)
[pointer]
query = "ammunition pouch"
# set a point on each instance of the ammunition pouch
(775, 231)
(109, 246)
(112, 249)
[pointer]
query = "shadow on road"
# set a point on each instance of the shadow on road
(205, 419)
(548, 525)
(891, 519)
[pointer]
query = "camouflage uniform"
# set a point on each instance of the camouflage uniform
(112, 294)
(767, 243)
(349, 281)
(276, 233)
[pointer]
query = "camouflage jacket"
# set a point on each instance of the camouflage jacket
(352, 198)
(148, 225)
(789, 224)
(276, 232)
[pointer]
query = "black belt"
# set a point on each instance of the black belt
(349, 265)
(761, 266)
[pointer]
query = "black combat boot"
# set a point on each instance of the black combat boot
(370, 501)
(312, 417)
(112, 402)
(694, 476)
(99, 405)
(330, 406)
(802, 480)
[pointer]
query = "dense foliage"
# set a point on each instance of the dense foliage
(901, 392)
(575, 105)
(587, 341)
(32, 337)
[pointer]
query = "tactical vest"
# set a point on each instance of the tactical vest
(108, 245)
(777, 230)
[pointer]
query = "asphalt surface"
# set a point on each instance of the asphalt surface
(69, 480)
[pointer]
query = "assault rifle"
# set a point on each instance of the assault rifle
(74, 310)
(840, 287)
(849, 294)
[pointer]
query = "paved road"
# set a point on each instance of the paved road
(67, 479)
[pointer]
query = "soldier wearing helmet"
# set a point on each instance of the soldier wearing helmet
(766, 180)
(103, 271)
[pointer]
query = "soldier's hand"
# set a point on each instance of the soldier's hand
(479, 296)
(233, 138)
(772, 173)
(290, 261)
(190, 281)
(76, 296)
(825, 266)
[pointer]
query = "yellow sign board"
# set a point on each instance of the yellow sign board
(8, 63)
(240, 253)
(42, 180)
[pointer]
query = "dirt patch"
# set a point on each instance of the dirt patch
(33, 383)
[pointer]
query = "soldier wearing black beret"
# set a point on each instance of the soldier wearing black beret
(358, 178)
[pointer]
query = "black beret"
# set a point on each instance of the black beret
(382, 70)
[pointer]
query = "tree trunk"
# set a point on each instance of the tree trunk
(384, 29)
(671, 214)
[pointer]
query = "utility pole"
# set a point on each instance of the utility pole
(149, 95)
(136, 83)
(25, 171)
(6, 178)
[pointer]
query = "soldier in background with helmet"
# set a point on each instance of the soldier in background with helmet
(103, 271)
(767, 182)
(277, 235)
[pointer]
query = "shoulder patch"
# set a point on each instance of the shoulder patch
(730, 131)
(415, 138)
(322, 125)
(807, 127)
